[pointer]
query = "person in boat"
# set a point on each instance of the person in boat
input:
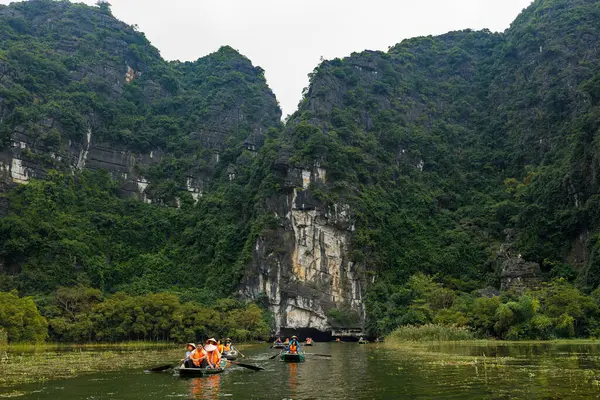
(361, 339)
(198, 358)
(189, 350)
(338, 340)
(213, 356)
(293, 346)
(308, 340)
(278, 340)
(221, 347)
(287, 341)
(228, 346)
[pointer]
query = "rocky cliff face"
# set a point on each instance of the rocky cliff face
(303, 267)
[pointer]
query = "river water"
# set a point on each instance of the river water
(373, 371)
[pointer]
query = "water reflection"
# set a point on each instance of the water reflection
(529, 371)
(207, 387)
(292, 380)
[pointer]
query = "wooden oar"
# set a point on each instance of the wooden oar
(236, 349)
(164, 367)
(270, 358)
(249, 366)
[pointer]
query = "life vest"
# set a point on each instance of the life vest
(215, 358)
(197, 356)
(221, 348)
(293, 346)
(227, 347)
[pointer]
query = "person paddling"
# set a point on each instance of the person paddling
(228, 345)
(212, 352)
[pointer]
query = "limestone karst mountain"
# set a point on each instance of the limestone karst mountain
(470, 156)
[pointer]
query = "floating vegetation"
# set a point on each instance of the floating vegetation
(28, 364)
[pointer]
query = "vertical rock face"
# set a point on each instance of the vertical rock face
(520, 275)
(302, 268)
(29, 158)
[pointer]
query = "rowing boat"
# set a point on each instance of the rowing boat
(292, 357)
(183, 371)
(230, 355)
(278, 346)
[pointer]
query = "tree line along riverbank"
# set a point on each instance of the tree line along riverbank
(84, 315)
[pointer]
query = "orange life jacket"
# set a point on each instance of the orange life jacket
(197, 356)
(215, 357)
(228, 347)
(293, 347)
(220, 348)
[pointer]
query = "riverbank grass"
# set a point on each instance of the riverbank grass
(431, 333)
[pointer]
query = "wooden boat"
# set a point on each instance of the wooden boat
(308, 343)
(230, 355)
(292, 357)
(278, 346)
(190, 372)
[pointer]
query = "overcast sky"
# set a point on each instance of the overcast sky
(288, 37)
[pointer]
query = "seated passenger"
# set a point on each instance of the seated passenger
(198, 358)
(212, 352)
(189, 350)
(294, 346)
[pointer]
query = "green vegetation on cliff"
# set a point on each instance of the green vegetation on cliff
(452, 149)
(457, 156)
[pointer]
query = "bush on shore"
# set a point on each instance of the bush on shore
(431, 333)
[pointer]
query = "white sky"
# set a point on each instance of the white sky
(288, 37)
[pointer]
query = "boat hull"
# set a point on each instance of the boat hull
(191, 372)
(292, 357)
(199, 371)
(231, 356)
(279, 346)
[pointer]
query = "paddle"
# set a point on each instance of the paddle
(242, 354)
(164, 367)
(249, 366)
(270, 358)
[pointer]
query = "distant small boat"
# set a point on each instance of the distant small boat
(308, 343)
(278, 346)
(230, 355)
(363, 341)
(292, 357)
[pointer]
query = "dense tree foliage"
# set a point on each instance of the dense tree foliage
(556, 310)
(20, 319)
(83, 314)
